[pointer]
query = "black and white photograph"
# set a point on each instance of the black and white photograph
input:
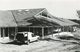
(39, 25)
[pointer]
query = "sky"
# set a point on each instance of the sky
(59, 8)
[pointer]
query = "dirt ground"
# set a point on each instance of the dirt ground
(47, 45)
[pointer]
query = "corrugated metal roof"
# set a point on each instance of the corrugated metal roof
(69, 21)
(6, 19)
(62, 21)
(27, 17)
(65, 22)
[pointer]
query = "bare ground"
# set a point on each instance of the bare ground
(46, 45)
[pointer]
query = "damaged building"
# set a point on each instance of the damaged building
(39, 21)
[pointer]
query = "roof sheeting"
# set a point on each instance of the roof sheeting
(25, 14)
(26, 18)
(66, 22)
(69, 21)
(6, 19)
(62, 21)
(31, 17)
(75, 20)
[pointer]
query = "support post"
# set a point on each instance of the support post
(48, 30)
(71, 28)
(52, 32)
(8, 32)
(16, 30)
(3, 32)
(67, 29)
(29, 29)
(63, 28)
(33, 30)
(42, 32)
(0, 32)
(58, 30)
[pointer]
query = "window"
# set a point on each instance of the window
(33, 35)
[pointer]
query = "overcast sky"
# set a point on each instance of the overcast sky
(58, 8)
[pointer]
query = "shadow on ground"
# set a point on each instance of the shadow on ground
(14, 43)
(17, 43)
(77, 41)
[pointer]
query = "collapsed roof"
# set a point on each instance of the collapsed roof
(31, 17)
(75, 20)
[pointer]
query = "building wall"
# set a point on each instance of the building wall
(7, 32)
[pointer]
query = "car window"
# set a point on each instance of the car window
(33, 35)
(19, 34)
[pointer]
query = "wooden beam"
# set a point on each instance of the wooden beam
(70, 28)
(29, 29)
(67, 28)
(58, 30)
(15, 34)
(39, 26)
(16, 30)
(63, 28)
(40, 12)
(8, 31)
(33, 30)
(42, 32)
(3, 32)
(48, 30)
(0, 32)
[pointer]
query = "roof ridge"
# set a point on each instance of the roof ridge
(40, 12)
(24, 9)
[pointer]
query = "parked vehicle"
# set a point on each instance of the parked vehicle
(63, 35)
(26, 37)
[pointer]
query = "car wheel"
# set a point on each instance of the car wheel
(37, 39)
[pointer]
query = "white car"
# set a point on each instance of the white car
(63, 35)
(26, 37)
